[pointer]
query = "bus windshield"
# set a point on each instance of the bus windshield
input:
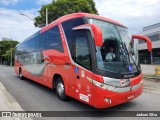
(117, 53)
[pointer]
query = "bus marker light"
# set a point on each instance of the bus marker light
(82, 73)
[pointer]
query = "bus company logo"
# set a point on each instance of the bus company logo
(122, 82)
(126, 76)
(6, 114)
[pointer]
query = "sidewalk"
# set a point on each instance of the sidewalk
(8, 103)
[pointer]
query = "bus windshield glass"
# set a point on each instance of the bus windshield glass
(117, 53)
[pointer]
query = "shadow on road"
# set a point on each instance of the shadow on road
(75, 103)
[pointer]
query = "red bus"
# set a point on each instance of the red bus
(84, 56)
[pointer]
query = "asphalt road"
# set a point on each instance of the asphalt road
(35, 97)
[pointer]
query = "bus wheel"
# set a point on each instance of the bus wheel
(60, 89)
(20, 74)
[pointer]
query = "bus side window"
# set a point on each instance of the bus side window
(54, 39)
(82, 54)
(69, 33)
(42, 39)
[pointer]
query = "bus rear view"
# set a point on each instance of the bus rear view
(99, 63)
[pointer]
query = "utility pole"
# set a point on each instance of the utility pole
(46, 16)
(151, 55)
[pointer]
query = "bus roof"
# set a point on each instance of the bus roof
(76, 15)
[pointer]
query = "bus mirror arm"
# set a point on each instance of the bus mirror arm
(148, 41)
(95, 32)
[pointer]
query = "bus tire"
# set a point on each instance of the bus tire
(60, 89)
(20, 74)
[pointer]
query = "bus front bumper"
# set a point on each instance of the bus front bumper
(105, 98)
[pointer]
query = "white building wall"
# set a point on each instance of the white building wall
(142, 46)
(148, 69)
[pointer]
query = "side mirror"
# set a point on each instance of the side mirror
(95, 31)
(148, 41)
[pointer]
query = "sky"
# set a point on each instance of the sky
(133, 14)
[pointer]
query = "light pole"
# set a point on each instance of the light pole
(34, 20)
(28, 17)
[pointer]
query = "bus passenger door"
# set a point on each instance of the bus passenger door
(82, 69)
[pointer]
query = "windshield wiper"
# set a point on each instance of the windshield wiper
(123, 53)
(126, 57)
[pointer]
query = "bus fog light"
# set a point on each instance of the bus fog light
(107, 100)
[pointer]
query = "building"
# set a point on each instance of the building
(152, 32)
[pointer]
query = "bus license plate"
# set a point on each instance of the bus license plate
(130, 97)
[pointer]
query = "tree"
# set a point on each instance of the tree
(7, 55)
(63, 7)
(6, 47)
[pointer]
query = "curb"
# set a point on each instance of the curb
(156, 79)
(11, 103)
(151, 90)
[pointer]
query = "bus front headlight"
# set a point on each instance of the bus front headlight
(104, 86)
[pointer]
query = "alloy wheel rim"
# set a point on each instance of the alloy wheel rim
(60, 89)
(20, 74)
